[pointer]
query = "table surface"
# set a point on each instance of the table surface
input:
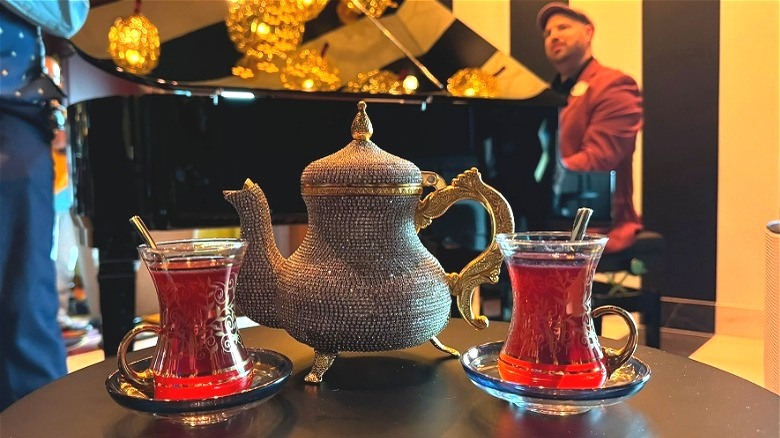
(417, 392)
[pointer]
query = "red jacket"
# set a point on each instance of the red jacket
(598, 131)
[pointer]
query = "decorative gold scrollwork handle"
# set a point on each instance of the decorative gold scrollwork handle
(486, 267)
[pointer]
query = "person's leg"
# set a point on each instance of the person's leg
(88, 267)
(32, 352)
(66, 255)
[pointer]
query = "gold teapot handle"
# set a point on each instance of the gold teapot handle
(486, 267)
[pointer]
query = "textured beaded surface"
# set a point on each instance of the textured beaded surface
(257, 285)
(361, 162)
(361, 279)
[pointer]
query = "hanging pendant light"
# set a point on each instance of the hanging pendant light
(265, 31)
(473, 82)
(309, 9)
(351, 9)
(382, 82)
(308, 70)
(134, 43)
(374, 82)
(346, 14)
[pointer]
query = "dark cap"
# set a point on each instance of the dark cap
(559, 8)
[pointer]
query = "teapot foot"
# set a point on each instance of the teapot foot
(322, 361)
(439, 346)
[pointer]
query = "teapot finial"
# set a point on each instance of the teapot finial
(361, 126)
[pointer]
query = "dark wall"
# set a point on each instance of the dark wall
(527, 43)
(680, 149)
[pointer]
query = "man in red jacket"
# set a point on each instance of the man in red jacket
(599, 125)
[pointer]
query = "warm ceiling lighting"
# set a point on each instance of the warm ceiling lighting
(309, 9)
(375, 82)
(374, 8)
(308, 70)
(472, 82)
(134, 43)
(410, 84)
(265, 31)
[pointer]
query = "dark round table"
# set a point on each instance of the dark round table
(417, 392)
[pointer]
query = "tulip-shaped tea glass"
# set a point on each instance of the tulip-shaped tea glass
(199, 353)
(551, 341)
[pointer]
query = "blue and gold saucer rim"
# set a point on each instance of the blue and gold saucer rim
(481, 365)
(269, 372)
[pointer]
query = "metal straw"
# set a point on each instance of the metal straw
(139, 225)
(580, 224)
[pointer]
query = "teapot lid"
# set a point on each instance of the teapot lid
(361, 168)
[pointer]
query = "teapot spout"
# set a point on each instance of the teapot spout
(258, 279)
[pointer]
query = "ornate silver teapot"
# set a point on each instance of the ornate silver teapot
(361, 280)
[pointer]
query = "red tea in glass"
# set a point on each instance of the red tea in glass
(199, 353)
(551, 341)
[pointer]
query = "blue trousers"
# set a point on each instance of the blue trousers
(32, 352)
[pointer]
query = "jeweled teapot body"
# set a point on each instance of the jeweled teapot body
(361, 280)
